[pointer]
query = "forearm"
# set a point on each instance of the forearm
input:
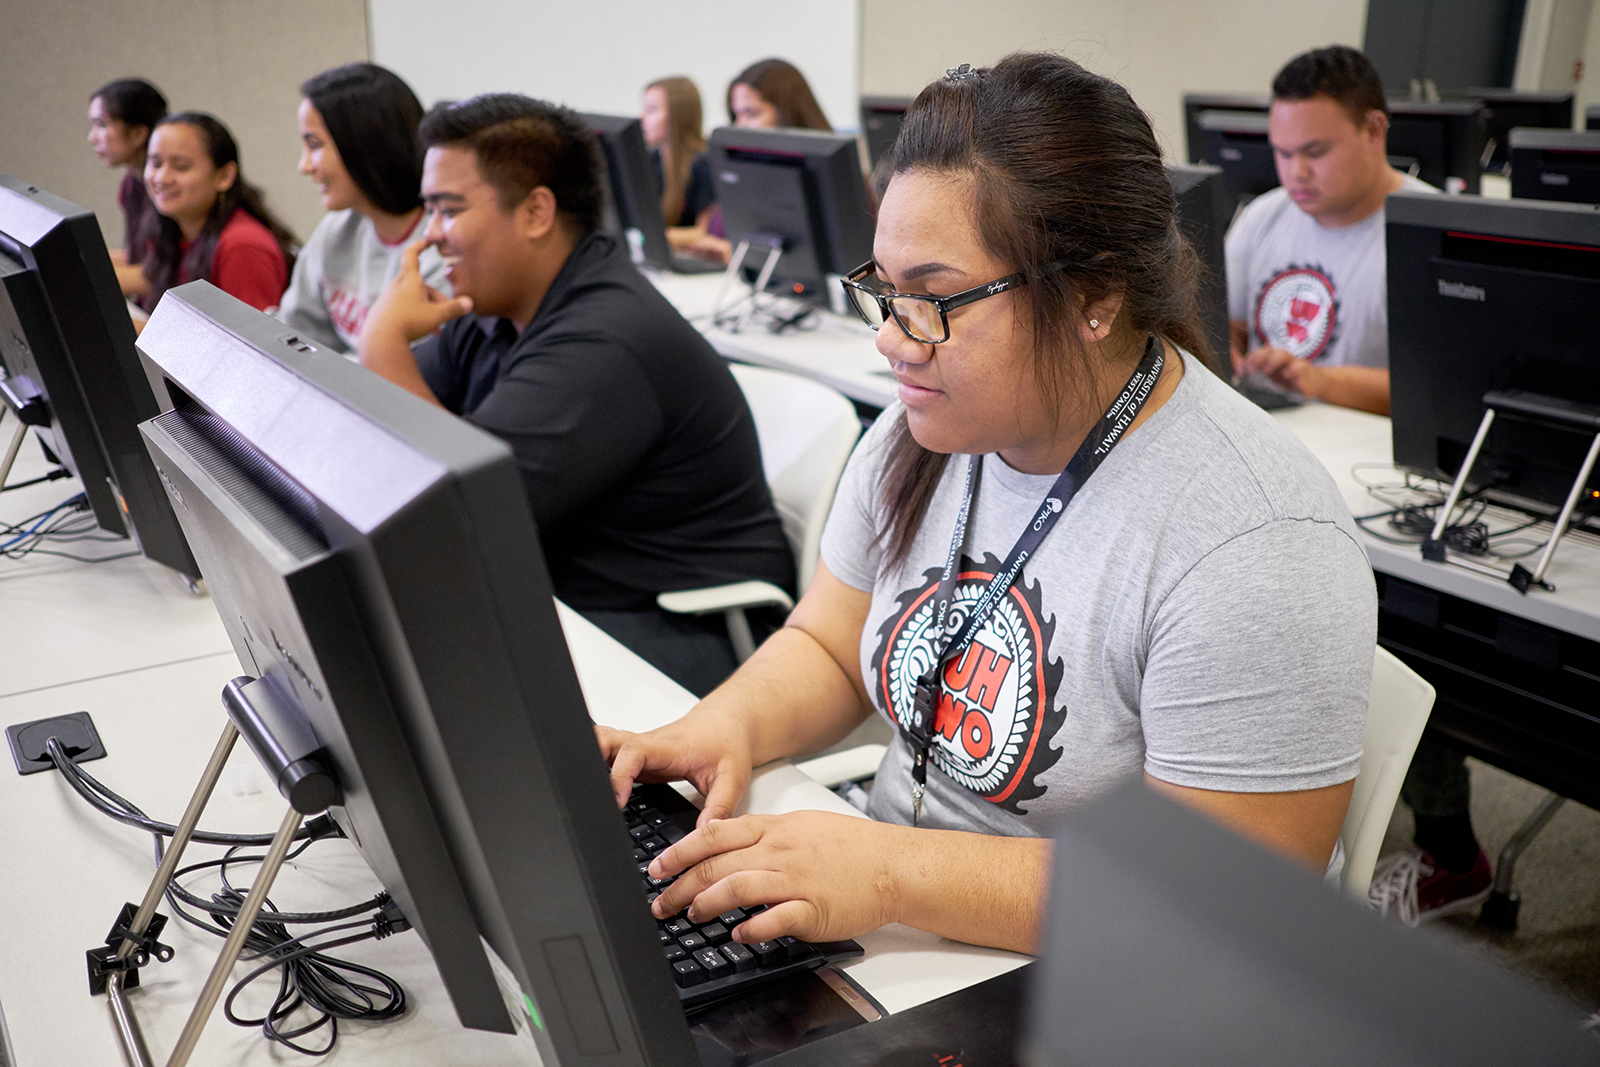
(387, 353)
(976, 888)
(790, 698)
(1362, 388)
(131, 279)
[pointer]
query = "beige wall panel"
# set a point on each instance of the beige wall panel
(1159, 49)
(241, 60)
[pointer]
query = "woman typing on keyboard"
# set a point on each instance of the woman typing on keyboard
(1070, 555)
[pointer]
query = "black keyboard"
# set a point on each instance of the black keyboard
(708, 966)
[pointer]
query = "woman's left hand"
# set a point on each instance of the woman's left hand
(826, 876)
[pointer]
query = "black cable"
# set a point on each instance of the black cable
(53, 476)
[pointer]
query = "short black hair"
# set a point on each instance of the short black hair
(132, 102)
(1337, 71)
(521, 144)
(372, 116)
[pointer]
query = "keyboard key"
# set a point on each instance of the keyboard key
(639, 833)
(671, 831)
(769, 952)
(714, 963)
(667, 940)
(651, 817)
(676, 952)
(741, 958)
(679, 926)
(793, 947)
(653, 844)
(691, 941)
(715, 933)
(733, 918)
(641, 856)
(688, 972)
(650, 897)
(657, 883)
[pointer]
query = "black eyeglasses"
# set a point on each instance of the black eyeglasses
(924, 319)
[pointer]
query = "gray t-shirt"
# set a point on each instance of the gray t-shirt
(1314, 292)
(341, 272)
(1201, 611)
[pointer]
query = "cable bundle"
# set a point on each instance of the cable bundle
(331, 988)
(68, 522)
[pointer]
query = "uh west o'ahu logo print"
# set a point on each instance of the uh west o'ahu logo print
(996, 717)
(1297, 311)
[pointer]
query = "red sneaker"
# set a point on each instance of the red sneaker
(1412, 886)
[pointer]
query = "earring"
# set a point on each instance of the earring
(1094, 324)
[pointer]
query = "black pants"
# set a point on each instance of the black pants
(1437, 783)
(692, 650)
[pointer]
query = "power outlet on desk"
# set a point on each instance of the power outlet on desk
(76, 733)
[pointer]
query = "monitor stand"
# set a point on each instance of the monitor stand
(735, 316)
(278, 735)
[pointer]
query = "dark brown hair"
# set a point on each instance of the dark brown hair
(1339, 72)
(1069, 190)
(520, 144)
(167, 260)
(372, 116)
(785, 88)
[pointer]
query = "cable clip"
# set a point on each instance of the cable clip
(104, 962)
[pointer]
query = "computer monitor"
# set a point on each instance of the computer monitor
(633, 197)
(1445, 140)
(1556, 165)
(1508, 109)
(1492, 295)
(1237, 142)
(375, 561)
(801, 191)
(1203, 215)
(880, 123)
(1591, 117)
(1195, 103)
(1172, 940)
(73, 346)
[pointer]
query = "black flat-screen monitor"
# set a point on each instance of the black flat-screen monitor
(633, 205)
(1203, 216)
(1492, 295)
(1591, 117)
(801, 191)
(1556, 165)
(880, 123)
(1172, 940)
(73, 346)
(1507, 109)
(1195, 103)
(1237, 142)
(1445, 140)
(374, 560)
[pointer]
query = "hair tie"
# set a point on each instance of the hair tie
(961, 73)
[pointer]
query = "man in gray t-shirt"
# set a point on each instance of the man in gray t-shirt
(1201, 613)
(1305, 262)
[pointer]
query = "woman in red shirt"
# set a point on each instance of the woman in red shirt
(214, 224)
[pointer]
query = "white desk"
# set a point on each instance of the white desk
(124, 641)
(837, 351)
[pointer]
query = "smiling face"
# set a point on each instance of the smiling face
(319, 160)
(1327, 163)
(114, 141)
(654, 117)
(479, 240)
(182, 181)
(976, 392)
(751, 110)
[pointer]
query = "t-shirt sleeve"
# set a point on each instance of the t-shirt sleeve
(252, 272)
(302, 307)
(701, 192)
(1260, 662)
(849, 542)
(580, 414)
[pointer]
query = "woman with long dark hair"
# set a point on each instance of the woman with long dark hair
(121, 115)
(671, 120)
(1069, 556)
(214, 225)
(358, 132)
(774, 93)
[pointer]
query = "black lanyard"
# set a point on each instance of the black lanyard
(1091, 453)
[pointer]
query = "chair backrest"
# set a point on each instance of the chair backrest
(807, 431)
(1397, 711)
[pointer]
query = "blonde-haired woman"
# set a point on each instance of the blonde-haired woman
(671, 120)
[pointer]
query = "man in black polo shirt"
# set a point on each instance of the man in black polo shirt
(635, 444)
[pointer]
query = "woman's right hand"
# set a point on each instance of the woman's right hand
(712, 753)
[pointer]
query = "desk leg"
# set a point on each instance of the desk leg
(11, 452)
(1500, 910)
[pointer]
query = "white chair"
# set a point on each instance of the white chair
(807, 431)
(1397, 710)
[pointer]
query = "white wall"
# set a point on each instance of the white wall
(1159, 49)
(240, 59)
(598, 56)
